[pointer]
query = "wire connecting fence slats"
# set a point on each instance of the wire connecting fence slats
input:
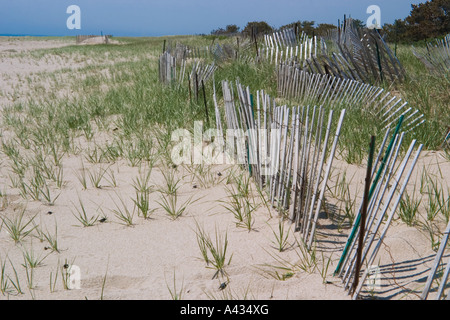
(173, 71)
(310, 88)
(361, 55)
(437, 55)
(285, 151)
(167, 68)
(391, 175)
(290, 45)
(289, 151)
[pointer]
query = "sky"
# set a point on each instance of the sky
(135, 18)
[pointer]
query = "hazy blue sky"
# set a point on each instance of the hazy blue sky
(169, 17)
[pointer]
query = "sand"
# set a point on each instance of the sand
(143, 261)
(98, 40)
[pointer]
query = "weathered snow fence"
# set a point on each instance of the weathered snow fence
(289, 151)
(218, 53)
(385, 194)
(364, 208)
(323, 89)
(199, 75)
(167, 68)
(437, 55)
(352, 54)
(361, 55)
(285, 151)
(172, 70)
(289, 45)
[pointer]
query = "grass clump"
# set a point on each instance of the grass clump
(83, 217)
(281, 237)
(214, 252)
(241, 202)
(18, 227)
(408, 210)
(123, 214)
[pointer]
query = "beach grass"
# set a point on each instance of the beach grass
(107, 109)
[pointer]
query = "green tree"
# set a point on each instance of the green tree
(323, 28)
(218, 32)
(308, 27)
(257, 28)
(305, 26)
(359, 23)
(232, 29)
(396, 32)
(297, 24)
(229, 30)
(428, 20)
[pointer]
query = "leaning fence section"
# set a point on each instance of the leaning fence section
(359, 54)
(294, 83)
(347, 53)
(200, 74)
(176, 71)
(390, 176)
(437, 55)
(439, 263)
(446, 143)
(242, 49)
(167, 68)
(288, 45)
(288, 151)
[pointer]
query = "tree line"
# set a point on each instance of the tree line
(256, 28)
(427, 20)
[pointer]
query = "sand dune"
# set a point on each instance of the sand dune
(142, 261)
